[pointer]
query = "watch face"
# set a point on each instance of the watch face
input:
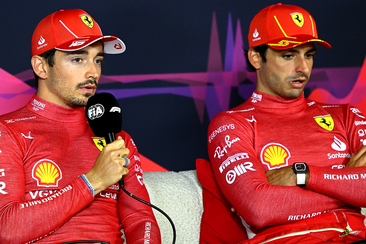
(300, 167)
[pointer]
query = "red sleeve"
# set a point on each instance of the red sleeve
(218, 223)
(27, 219)
(137, 219)
(31, 220)
(344, 183)
(242, 179)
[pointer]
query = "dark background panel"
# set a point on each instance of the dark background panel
(173, 37)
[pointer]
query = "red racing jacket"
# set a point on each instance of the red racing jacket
(268, 132)
(44, 148)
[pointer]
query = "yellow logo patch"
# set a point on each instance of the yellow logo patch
(275, 155)
(99, 142)
(46, 173)
(298, 19)
(325, 121)
(87, 20)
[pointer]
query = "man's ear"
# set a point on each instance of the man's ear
(39, 65)
(254, 58)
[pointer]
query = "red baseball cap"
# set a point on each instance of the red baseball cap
(71, 30)
(283, 27)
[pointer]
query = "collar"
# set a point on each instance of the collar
(55, 112)
(270, 101)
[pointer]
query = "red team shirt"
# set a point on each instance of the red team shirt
(43, 150)
(268, 132)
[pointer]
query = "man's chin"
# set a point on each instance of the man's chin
(294, 94)
(79, 102)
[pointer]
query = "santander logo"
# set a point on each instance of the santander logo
(41, 40)
(338, 145)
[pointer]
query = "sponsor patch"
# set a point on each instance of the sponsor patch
(338, 145)
(46, 173)
(99, 142)
(37, 105)
(219, 130)
(233, 159)
(2, 187)
(87, 20)
(325, 121)
(256, 97)
(298, 19)
(275, 155)
(238, 171)
(220, 152)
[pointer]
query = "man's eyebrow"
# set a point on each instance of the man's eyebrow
(312, 50)
(84, 52)
(296, 50)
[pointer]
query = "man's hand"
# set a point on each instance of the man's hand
(282, 177)
(108, 168)
(358, 160)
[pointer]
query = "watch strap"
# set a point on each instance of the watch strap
(300, 179)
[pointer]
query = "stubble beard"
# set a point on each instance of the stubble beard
(75, 102)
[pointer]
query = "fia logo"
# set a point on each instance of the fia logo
(96, 111)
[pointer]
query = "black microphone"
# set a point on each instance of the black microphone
(105, 120)
(104, 115)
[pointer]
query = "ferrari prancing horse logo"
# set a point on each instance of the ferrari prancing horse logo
(325, 121)
(298, 19)
(99, 142)
(87, 20)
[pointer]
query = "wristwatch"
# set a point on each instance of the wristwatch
(300, 170)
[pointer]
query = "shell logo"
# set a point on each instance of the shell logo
(46, 173)
(275, 155)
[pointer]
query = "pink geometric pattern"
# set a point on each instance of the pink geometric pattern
(210, 90)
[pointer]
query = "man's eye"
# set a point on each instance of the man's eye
(288, 56)
(99, 61)
(77, 60)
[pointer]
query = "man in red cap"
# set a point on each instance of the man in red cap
(57, 182)
(293, 169)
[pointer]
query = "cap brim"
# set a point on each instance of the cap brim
(290, 43)
(112, 44)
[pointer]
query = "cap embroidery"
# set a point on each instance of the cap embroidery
(312, 25)
(283, 32)
(298, 19)
(283, 43)
(41, 40)
(118, 46)
(256, 35)
(87, 20)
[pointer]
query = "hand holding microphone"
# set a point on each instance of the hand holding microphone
(105, 120)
